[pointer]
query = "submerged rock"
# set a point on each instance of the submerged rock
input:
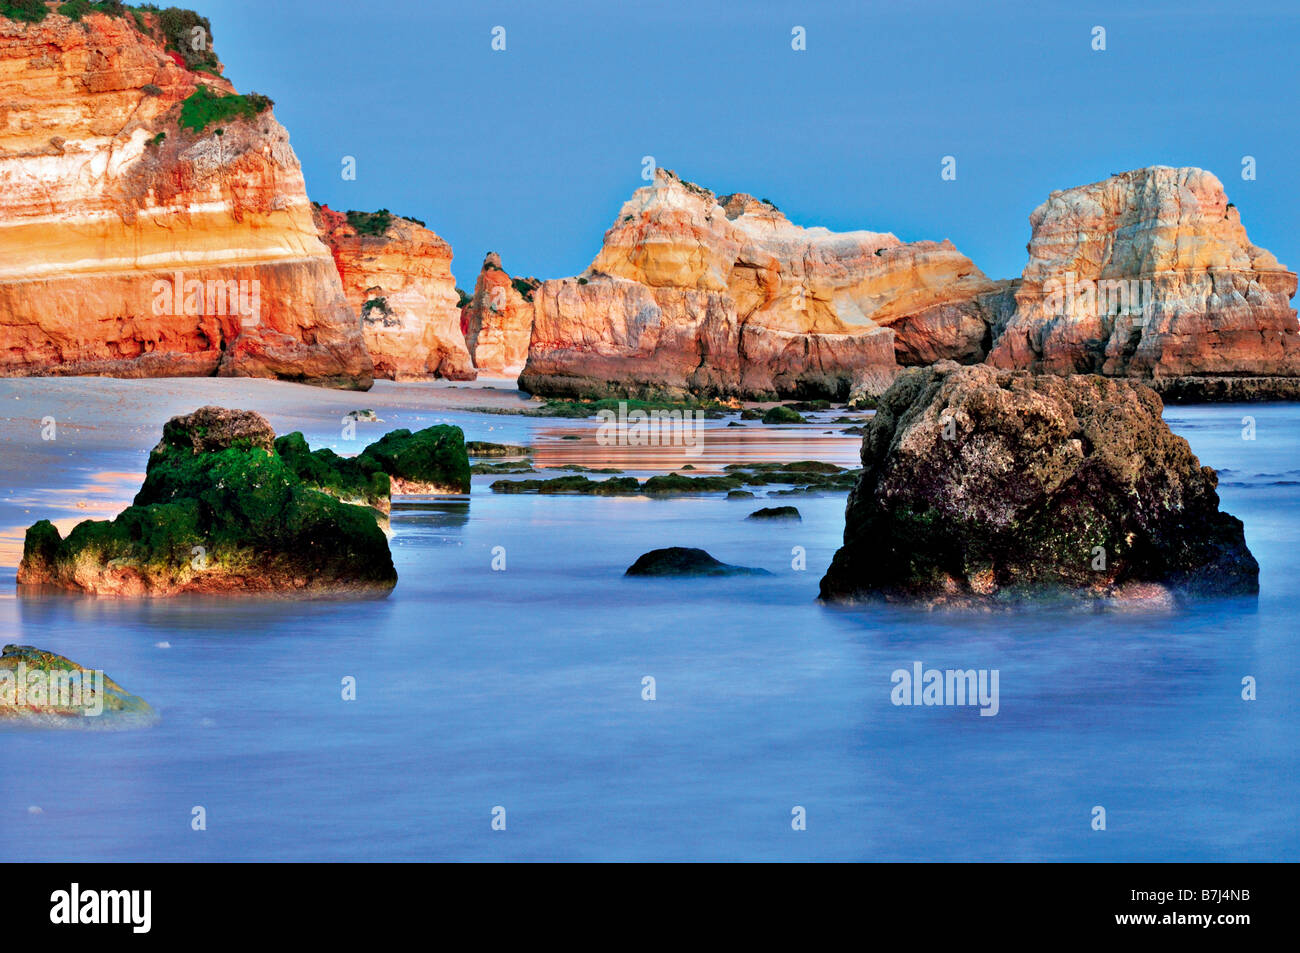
(776, 513)
(684, 561)
(981, 486)
(39, 687)
(220, 511)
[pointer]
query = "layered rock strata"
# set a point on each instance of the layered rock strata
(1150, 274)
(397, 276)
(723, 295)
(151, 221)
(498, 320)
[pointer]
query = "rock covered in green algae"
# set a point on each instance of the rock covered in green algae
(686, 561)
(776, 513)
(615, 486)
(982, 487)
(783, 415)
(482, 448)
(351, 479)
(41, 688)
(220, 511)
(432, 460)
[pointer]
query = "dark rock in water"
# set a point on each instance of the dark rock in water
(676, 483)
(782, 415)
(432, 460)
(982, 486)
(220, 511)
(614, 486)
(1197, 390)
(480, 448)
(734, 423)
(682, 561)
(740, 495)
(39, 688)
(775, 513)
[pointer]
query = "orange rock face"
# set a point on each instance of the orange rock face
(696, 293)
(498, 320)
(401, 285)
(132, 247)
(1149, 274)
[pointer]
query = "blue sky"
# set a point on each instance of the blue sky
(530, 152)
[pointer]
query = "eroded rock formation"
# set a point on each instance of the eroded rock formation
(397, 276)
(981, 486)
(220, 511)
(151, 224)
(1150, 274)
(498, 320)
(722, 295)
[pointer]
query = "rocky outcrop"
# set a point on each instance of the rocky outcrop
(397, 275)
(498, 320)
(42, 689)
(220, 511)
(153, 222)
(980, 486)
(1149, 274)
(722, 295)
(686, 561)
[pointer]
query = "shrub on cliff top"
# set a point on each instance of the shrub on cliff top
(206, 106)
(189, 35)
(24, 11)
(370, 223)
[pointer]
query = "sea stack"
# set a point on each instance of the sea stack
(696, 293)
(154, 222)
(396, 274)
(984, 487)
(1149, 274)
(498, 320)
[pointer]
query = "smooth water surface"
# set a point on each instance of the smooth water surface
(522, 688)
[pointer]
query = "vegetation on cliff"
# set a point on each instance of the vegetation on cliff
(206, 106)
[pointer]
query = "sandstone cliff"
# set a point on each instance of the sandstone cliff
(498, 320)
(397, 276)
(1150, 274)
(151, 222)
(693, 292)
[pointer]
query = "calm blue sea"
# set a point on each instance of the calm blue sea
(522, 689)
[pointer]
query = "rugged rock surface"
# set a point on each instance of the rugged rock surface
(112, 215)
(397, 275)
(684, 561)
(220, 511)
(722, 295)
(987, 486)
(1149, 274)
(498, 320)
(39, 688)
